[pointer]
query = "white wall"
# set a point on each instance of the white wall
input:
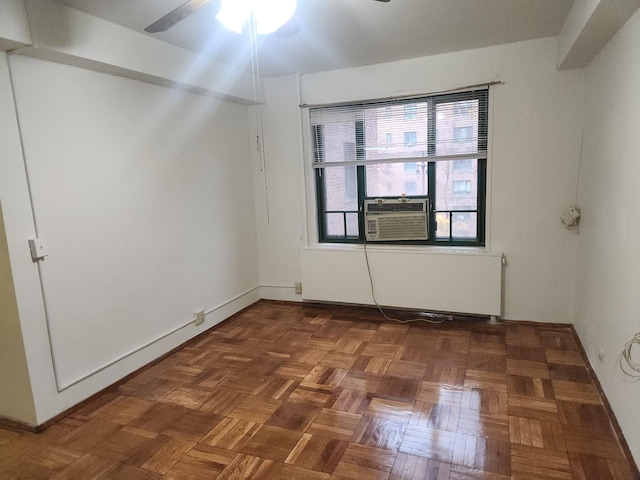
(608, 275)
(536, 124)
(279, 192)
(135, 190)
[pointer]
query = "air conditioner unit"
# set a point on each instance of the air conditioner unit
(396, 219)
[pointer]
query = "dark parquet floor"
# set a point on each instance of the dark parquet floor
(288, 391)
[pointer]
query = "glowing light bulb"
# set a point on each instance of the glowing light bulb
(270, 15)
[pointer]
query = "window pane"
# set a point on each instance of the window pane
(352, 224)
(397, 131)
(456, 189)
(337, 142)
(457, 127)
(464, 224)
(335, 224)
(442, 225)
(341, 188)
(394, 179)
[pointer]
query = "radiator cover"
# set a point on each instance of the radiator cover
(437, 279)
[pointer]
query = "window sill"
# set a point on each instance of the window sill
(411, 249)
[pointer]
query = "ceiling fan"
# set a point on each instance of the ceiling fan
(182, 12)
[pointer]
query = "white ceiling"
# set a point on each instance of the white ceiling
(344, 33)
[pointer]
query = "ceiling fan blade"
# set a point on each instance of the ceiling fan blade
(175, 16)
(289, 29)
(385, 1)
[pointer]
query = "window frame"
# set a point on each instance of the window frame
(482, 95)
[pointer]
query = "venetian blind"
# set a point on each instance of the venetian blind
(450, 126)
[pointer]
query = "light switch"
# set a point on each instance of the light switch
(38, 248)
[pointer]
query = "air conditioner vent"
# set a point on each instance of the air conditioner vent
(390, 219)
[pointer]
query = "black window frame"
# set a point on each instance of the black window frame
(479, 241)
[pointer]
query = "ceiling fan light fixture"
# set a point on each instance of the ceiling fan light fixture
(270, 15)
(233, 14)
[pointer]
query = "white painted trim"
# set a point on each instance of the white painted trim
(240, 299)
(284, 293)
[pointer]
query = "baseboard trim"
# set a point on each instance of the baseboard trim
(19, 425)
(607, 406)
(114, 386)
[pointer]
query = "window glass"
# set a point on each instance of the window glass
(390, 179)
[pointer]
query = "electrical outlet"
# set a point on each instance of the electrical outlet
(199, 317)
(298, 287)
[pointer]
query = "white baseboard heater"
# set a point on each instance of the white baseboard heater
(435, 279)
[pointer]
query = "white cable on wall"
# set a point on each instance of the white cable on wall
(626, 364)
(427, 317)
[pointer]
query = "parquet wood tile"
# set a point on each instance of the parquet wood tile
(381, 407)
(276, 388)
(527, 368)
(193, 425)
(484, 425)
(407, 369)
(352, 401)
(293, 472)
(289, 391)
(576, 392)
(435, 415)
(361, 381)
(570, 372)
(247, 466)
(363, 461)
(89, 467)
(272, 442)
(255, 409)
(433, 392)
(162, 454)
(335, 424)
(419, 468)
(222, 402)
(439, 372)
(339, 360)
(231, 433)
(401, 389)
(293, 416)
(483, 379)
(202, 462)
(311, 396)
(429, 442)
(316, 452)
(127, 472)
(380, 432)
(125, 410)
(382, 350)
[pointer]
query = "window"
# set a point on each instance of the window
(410, 112)
(410, 188)
(462, 187)
(462, 134)
(388, 139)
(410, 139)
(462, 164)
(443, 158)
